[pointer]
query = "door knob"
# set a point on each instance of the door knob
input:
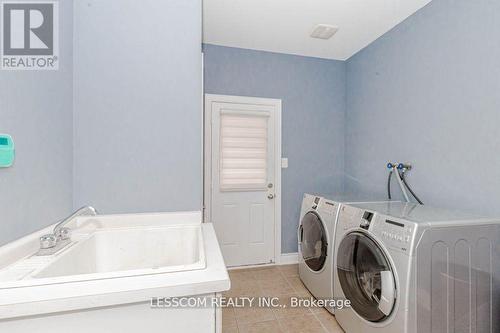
(270, 196)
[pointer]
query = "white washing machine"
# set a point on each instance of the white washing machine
(316, 234)
(408, 268)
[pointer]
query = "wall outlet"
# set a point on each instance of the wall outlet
(284, 163)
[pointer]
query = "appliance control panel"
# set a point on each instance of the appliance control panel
(394, 233)
(316, 202)
(327, 207)
(349, 218)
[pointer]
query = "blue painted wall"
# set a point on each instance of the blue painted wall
(428, 92)
(36, 109)
(137, 105)
(313, 95)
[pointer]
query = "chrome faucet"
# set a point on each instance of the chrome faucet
(60, 237)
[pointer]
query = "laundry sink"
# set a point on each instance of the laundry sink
(110, 270)
(128, 252)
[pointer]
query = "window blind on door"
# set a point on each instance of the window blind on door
(243, 150)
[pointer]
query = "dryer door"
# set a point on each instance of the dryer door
(313, 241)
(366, 276)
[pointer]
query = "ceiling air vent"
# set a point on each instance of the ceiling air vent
(324, 31)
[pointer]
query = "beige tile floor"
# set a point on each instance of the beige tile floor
(274, 281)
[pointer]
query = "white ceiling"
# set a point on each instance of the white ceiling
(284, 26)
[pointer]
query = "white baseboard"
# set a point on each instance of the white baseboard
(284, 259)
(235, 268)
(288, 259)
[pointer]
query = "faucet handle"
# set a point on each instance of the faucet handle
(63, 234)
(48, 241)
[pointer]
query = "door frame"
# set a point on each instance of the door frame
(207, 160)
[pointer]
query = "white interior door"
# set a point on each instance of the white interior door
(243, 195)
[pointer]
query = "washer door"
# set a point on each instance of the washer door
(313, 241)
(366, 277)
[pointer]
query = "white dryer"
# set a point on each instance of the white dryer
(408, 268)
(316, 235)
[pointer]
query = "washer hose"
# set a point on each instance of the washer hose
(398, 177)
(409, 188)
(389, 185)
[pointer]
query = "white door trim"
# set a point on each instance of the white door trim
(209, 99)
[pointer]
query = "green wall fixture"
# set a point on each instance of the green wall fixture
(7, 151)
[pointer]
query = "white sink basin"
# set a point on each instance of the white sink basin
(112, 246)
(112, 260)
(128, 252)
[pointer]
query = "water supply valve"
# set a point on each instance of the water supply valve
(404, 166)
(399, 166)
